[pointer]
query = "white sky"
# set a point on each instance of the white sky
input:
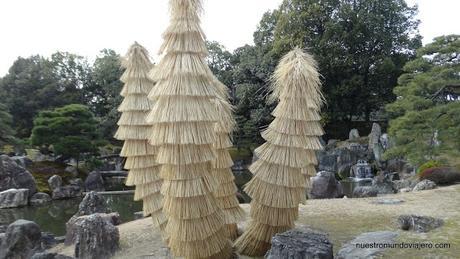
(84, 27)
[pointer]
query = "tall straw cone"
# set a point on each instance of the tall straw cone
(221, 166)
(183, 118)
(133, 129)
(287, 159)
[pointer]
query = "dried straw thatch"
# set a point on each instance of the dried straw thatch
(183, 118)
(221, 166)
(287, 159)
(133, 129)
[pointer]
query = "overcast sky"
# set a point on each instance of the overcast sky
(85, 27)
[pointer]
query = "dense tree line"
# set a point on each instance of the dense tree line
(361, 47)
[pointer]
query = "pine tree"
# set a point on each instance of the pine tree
(183, 119)
(287, 159)
(226, 192)
(133, 129)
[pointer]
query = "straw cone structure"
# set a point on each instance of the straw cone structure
(221, 166)
(183, 118)
(133, 129)
(287, 159)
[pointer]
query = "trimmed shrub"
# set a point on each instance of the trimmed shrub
(441, 175)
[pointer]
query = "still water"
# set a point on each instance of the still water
(52, 216)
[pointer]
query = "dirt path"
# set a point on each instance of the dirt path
(342, 219)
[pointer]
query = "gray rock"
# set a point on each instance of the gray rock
(376, 133)
(139, 215)
(353, 135)
(327, 162)
(72, 170)
(405, 190)
(66, 192)
(325, 186)
(14, 176)
(91, 203)
(301, 243)
(55, 182)
(364, 192)
(388, 201)
(424, 185)
(419, 223)
(22, 240)
(362, 247)
(94, 182)
(14, 198)
(77, 182)
(39, 198)
(23, 161)
(401, 184)
(47, 255)
(96, 238)
(383, 184)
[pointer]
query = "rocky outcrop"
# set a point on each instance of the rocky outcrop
(39, 198)
(419, 223)
(325, 186)
(14, 176)
(94, 182)
(96, 238)
(23, 161)
(59, 191)
(91, 203)
(424, 185)
(22, 239)
(383, 184)
(14, 198)
(362, 246)
(300, 243)
(364, 192)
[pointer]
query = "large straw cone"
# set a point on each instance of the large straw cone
(226, 192)
(183, 118)
(133, 129)
(287, 159)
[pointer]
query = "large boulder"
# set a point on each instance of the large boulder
(300, 243)
(94, 182)
(12, 175)
(55, 182)
(91, 203)
(22, 240)
(96, 238)
(13, 198)
(363, 246)
(418, 223)
(39, 198)
(364, 192)
(66, 192)
(325, 186)
(424, 185)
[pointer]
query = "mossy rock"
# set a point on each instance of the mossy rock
(42, 171)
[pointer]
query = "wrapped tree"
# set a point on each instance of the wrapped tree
(226, 192)
(183, 119)
(133, 129)
(287, 159)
